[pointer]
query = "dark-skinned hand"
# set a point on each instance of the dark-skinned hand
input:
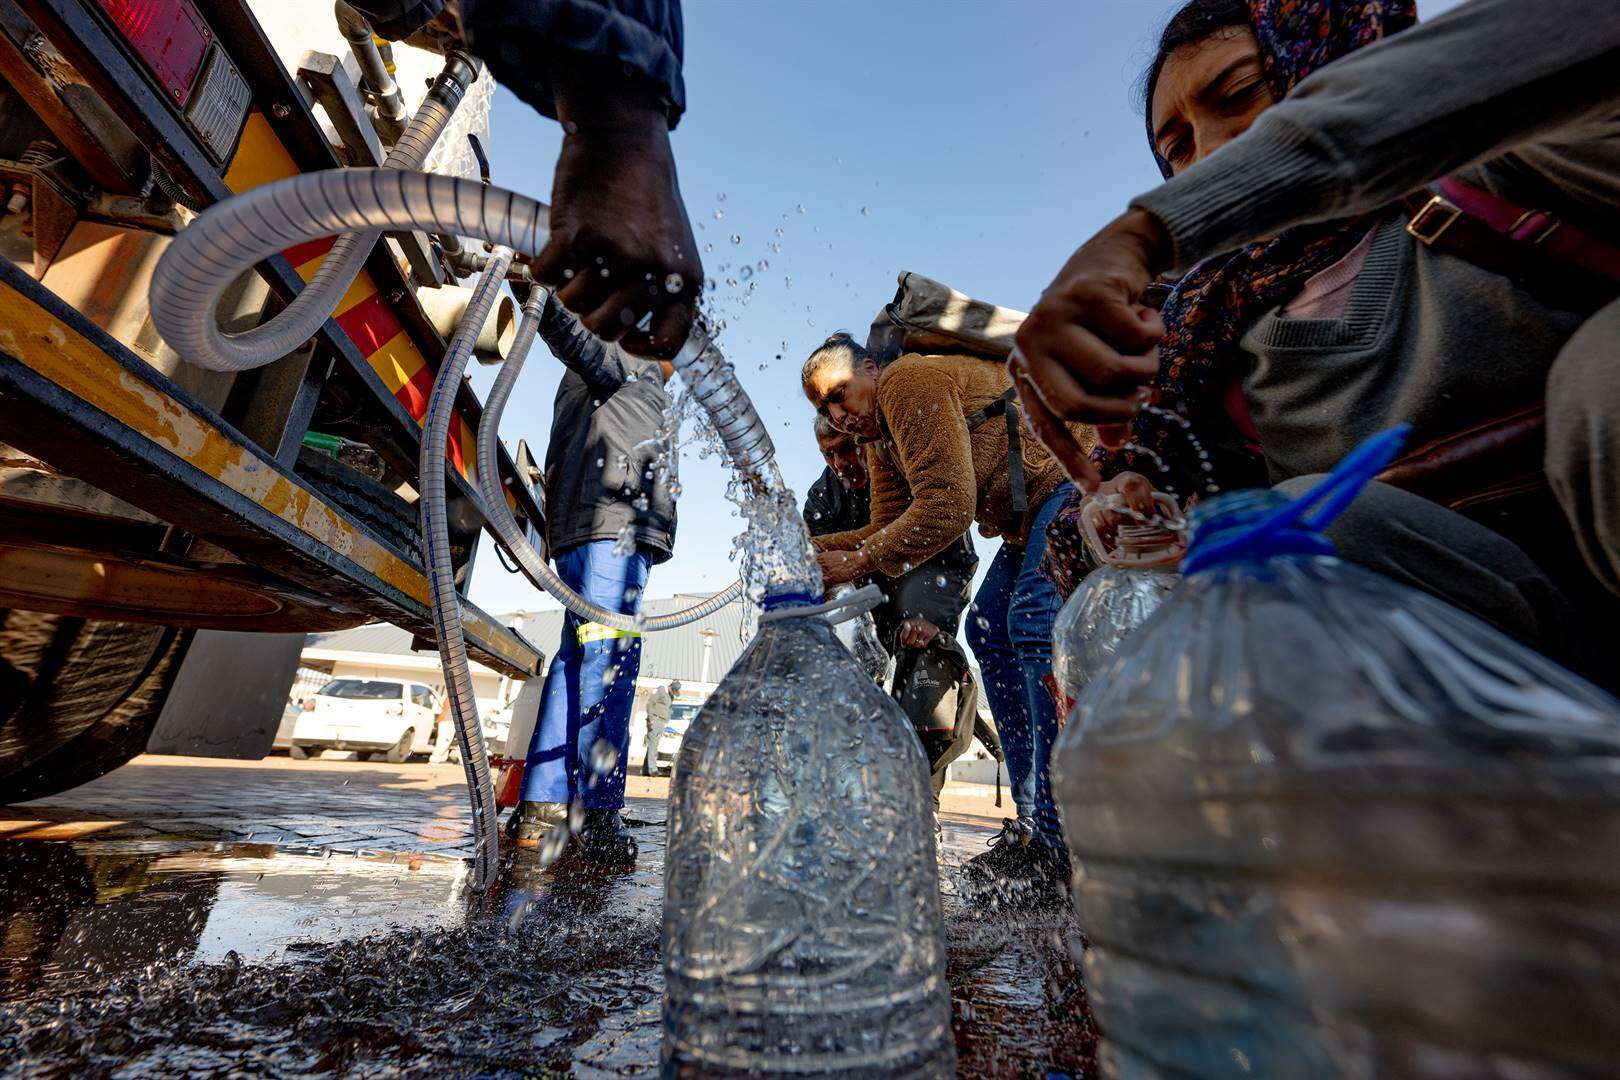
(1089, 348)
(621, 248)
(917, 632)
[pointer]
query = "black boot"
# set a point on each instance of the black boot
(603, 839)
(1018, 873)
(530, 821)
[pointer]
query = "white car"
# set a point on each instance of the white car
(391, 717)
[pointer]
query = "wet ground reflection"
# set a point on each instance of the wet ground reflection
(173, 957)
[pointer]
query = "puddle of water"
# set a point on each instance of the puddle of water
(173, 958)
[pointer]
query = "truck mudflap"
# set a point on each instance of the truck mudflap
(78, 400)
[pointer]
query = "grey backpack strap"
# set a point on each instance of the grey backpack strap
(1007, 406)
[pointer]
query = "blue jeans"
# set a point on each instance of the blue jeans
(591, 685)
(1010, 630)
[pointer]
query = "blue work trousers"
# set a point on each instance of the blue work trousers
(1010, 630)
(591, 686)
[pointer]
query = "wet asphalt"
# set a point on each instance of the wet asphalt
(146, 949)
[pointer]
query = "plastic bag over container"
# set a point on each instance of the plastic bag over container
(1327, 825)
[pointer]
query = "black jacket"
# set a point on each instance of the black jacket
(645, 38)
(831, 507)
(608, 408)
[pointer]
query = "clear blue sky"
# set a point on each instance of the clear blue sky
(975, 142)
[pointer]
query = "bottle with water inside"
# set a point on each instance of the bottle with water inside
(1131, 580)
(859, 635)
(1327, 825)
(802, 920)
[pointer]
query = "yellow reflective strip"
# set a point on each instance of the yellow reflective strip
(594, 631)
(36, 339)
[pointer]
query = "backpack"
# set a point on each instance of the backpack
(927, 316)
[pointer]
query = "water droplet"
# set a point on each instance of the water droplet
(551, 848)
(866, 211)
(736, 238)
(568, 275)
(720, 197)
(674, 283)
(763, 266)
(802, 210)
(746, 272)
(719, 215)
(604, 756)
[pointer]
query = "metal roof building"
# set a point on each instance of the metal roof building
(698, 653)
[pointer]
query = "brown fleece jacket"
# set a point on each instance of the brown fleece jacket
(932, 478)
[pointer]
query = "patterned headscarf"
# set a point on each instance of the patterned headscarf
(1212, 307)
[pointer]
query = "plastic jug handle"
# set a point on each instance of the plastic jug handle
(1304, 519)
(1095, 505)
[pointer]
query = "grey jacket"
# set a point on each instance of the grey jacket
(1517, 97)
(1526, 85)
(644, 37)
(606, 416)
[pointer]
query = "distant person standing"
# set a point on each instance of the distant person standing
(608, 521)
(659, 709)
(943, 452)
(444, 733)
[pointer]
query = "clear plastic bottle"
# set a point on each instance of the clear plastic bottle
(1327, 825)
(859, 635)
(802, 919)
(1130, 582)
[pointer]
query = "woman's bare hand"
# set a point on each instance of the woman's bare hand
(1089, 346)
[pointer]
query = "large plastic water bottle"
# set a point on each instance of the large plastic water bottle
(1132, 578)
(802, 920)
(1325, 825)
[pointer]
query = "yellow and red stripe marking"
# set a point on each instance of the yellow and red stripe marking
(40, 341)
(364, 314)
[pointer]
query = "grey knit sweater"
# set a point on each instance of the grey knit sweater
(1519, 97)
(1530, 86)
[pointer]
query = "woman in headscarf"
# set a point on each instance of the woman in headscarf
(1325, 304)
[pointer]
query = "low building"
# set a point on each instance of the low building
(697, 656)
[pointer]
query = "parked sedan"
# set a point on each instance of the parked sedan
(390, 717)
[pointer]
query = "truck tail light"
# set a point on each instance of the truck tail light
(170, 37)
(176, 45)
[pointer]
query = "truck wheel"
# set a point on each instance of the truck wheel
(78, 697)
(401, 750)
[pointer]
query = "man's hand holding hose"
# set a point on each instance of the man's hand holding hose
(621, 254)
